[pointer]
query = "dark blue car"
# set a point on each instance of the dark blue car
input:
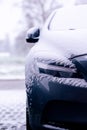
(56, 72)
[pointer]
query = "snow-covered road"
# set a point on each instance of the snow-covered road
(12, 108)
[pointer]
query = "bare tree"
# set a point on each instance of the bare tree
(36, 11)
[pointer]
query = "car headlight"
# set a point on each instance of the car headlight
(55, 70)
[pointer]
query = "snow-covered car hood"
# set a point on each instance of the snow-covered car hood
(69, 42)
(73, 42)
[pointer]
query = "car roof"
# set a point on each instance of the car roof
(78, 7)
(69, 18)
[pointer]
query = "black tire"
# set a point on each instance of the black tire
(27, 120)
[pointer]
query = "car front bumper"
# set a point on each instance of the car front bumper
(58, 102)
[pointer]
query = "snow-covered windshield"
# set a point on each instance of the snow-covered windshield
(70, 18)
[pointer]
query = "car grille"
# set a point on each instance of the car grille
(65, 114)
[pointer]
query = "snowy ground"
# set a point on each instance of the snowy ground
(12, 105)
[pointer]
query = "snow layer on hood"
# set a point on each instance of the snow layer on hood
(56, 58)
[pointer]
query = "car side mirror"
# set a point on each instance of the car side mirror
(33, 35)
